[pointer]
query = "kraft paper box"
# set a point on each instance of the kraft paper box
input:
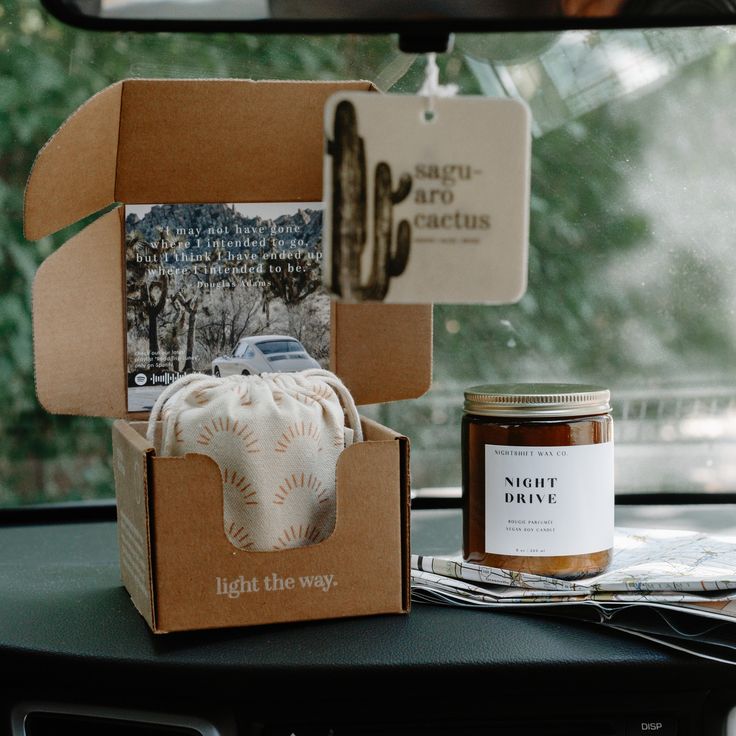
(182, 573)
(176, 141)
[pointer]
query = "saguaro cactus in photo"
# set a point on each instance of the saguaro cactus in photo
(349, 197)
(154, 299)
(191, 306)
(146, 298)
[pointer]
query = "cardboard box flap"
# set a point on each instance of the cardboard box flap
(74, 173)
(224, 140)
(78, 329)
(179, 141)
(383, 352)
(185, 141)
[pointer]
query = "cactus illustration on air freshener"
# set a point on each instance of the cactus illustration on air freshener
(349, 215)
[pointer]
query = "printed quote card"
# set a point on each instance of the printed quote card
(222, 289)
(426, 204)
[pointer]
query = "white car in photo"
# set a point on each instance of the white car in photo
(265, 354)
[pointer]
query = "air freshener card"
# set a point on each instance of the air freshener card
(222, 289)
(426, 200)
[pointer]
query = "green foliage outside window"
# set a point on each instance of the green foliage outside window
(46, 71)
(585, 317)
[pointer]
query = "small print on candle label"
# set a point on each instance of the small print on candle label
(549, 501)
(426, 208)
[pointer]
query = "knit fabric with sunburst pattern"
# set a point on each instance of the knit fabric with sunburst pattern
(276, 439)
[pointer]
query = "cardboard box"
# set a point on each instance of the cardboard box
(148, 141)
(159, 141)
(164, 503)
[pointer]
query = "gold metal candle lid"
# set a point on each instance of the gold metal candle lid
(537, 400)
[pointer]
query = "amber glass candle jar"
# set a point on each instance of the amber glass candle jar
(538, 478)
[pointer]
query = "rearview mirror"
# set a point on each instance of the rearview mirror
(387, 16)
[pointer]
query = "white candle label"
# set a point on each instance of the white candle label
(549, 501)
(426, 210)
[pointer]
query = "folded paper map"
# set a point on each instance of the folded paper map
(674, 587)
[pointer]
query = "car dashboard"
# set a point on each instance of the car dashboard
(76, 657)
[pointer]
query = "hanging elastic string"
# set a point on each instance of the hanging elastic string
(431, 88)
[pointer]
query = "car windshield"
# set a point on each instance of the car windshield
(270, 347)
(632, 274)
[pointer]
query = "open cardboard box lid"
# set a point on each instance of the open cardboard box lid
(180, 141)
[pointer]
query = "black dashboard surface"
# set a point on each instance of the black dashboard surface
(67, 627)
